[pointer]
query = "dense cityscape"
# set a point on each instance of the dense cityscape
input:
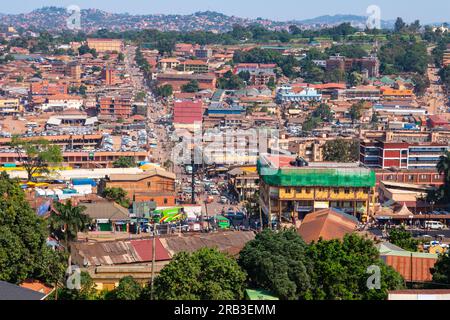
(212, 157)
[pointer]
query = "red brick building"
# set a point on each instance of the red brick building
(118, 106)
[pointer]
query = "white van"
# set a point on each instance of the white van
(434, 225)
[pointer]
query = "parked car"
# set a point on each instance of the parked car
(434, 225)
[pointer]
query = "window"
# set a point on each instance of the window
(149, 184)
(287, 190)
(308, 190)
(347, 191)
(165, 201)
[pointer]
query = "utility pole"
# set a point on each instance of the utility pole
(192, 180)
(153, 261)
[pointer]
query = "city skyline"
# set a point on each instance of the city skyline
(434, 12)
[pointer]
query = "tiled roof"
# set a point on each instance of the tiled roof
(327, 224)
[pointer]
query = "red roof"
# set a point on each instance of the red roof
(188, 111)
(144, 248)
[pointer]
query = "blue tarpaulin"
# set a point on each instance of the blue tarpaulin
(82, 182)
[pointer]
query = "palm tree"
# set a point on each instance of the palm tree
(67, 220)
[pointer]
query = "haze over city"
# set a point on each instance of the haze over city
(410, 10)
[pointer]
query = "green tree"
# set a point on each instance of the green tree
(441, 269)
(356, 111)
(442, 194)
(164, 91)
(340, 150)
(128, 289)
(24, 252)
(191, 86)
(278, 262)
(118, 195)
(125, 162)
(400, 25)
(140, 96)
(82, 90)
(206, 274)
(271, 83)
(340, 270)
(244, 75)
(66, 220)
(86, 292)
(403, 239)
(323, 111)
(36, 155)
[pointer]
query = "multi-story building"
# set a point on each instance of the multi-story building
(44, 88)
(118, 106)
(168, 63)
(105, 45)
(81, 159)
(109, 76)
(368, 93)
(196, 66)
(402, 155)
(286, 94)
(289, 189)
(156, 185)
(177, 80)
(203, 53)
(371, 65)
(9, 106)
(73, 71)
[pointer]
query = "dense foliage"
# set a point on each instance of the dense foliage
(341, 150)
(124, 162)
(403, 239)
(24, 252)
(278, 262)
(334, 270)
(206, 274)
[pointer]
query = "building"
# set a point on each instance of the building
(327, 224)
(402, 155)
(244, 181)
(43, 89)
(429, 177)
(289, 189)
(118, 106)
(73, 71)
(286, 94)
(413, 266)
(370, 65)
(109, 261)
(168, 63)
(107, 215)
(9, 291)
(419, 294)
(187, 112)
(105, 45)
(109, 76)
(203, 53)
(366, 93)
(156, 185)
(177, 80)
(10, 106)
(196, 66)
(220, 109)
